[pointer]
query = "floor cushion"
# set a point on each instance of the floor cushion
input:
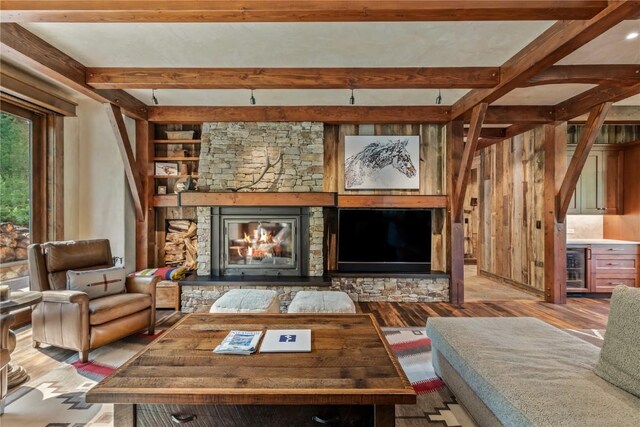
(322, 302)
(247, 301)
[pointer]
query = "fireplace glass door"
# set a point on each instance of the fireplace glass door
(268, 243)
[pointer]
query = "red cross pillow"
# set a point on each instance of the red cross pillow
(97, 283)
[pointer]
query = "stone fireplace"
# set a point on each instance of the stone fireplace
(280, 248)
(260, 157)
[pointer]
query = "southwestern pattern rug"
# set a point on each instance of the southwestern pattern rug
(57, 398)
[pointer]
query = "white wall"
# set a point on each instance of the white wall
(97, 200)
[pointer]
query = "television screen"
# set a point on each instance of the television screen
(384, 240)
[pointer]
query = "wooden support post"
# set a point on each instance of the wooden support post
(555, 262)
(145, 237)
(130, 168)
(477, 118)
(455, 229)
(587, 139)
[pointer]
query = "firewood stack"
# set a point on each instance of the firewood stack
(13, 242)
(180, 247)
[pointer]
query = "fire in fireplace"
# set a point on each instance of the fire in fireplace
(259, 241)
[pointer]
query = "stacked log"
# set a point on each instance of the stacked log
(13, 242)
(180, 247)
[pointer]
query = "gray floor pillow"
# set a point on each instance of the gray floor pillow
(619, 361)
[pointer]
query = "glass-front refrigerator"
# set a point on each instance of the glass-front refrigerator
(577, 269)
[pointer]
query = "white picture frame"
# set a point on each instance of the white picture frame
(382, 162)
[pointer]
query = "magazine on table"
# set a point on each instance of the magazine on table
(239, 342)
(286, 341)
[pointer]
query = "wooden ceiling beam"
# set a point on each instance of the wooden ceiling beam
(336, 114)
(460, 190)
(585, 101)
(299, 11)
(587, 139)
(587, 74)
(293, 78)
(342, 114)
(347, 78)
(618, 114)
(561, 39)
(129, 161)
(27, 49)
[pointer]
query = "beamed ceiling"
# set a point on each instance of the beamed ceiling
(454, 34)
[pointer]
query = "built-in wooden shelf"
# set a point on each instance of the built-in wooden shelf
(380, 201)
(195, 198)
(165, 200)
(176, 159)
(177, 141)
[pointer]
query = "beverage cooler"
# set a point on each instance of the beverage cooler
(577, 269)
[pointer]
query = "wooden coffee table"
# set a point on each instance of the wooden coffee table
(350, 378)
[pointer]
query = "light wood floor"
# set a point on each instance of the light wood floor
(480, 288)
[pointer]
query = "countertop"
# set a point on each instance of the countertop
(600, 242)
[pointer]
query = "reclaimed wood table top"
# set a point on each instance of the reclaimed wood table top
(350, 363)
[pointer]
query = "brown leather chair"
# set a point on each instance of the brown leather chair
(69, 319)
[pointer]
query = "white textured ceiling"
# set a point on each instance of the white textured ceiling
(412, 44)
(370, 44)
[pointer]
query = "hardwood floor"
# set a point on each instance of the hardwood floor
(578, 313)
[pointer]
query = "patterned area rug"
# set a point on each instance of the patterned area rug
(436, 405)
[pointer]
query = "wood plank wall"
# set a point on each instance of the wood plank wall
(627, 226)
(432, 169)
(471, 213)
(511, 193)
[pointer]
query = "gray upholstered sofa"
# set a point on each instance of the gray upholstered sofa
(524, 372)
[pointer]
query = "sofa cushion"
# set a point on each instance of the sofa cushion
(247, 301)
(619, 361)
(105, 309)
(322, 302)
(529, 373)
(97, 283)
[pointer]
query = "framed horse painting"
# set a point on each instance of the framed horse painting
(382, 162)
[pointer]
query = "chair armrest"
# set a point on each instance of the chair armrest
(69, 297)
(142, 285)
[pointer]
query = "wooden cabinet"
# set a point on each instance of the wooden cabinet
(599, 188)
(613, 265)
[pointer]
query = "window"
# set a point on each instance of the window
(22, 203)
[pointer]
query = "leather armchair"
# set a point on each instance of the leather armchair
(69, 319)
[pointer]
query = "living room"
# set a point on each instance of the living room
(368, 171)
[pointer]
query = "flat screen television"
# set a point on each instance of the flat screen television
(384, 240)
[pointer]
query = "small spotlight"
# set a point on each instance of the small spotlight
(153, 97)
(352, 100)
(252, 100)
(439, 98)
(633, 35)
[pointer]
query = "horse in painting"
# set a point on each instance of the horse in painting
(376, 156)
